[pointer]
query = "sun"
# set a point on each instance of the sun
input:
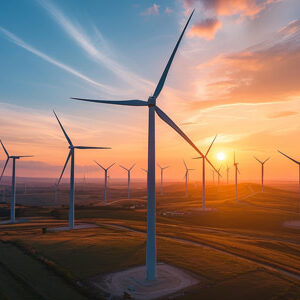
(221, 156)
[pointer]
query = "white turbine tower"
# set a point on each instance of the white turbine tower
(297, 162)
(105, 178)
(204, 158)
(128, 178)
(162, 178)
(72, 171)
(186, 176)
(235, 164)
(13, 180)
(262, 171)
(153, 108)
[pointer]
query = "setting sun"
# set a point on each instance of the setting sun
(221, 156)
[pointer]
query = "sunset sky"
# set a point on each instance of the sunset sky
(237, 73)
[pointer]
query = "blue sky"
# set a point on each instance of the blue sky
(52, 50)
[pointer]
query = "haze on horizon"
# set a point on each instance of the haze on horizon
(236, 74)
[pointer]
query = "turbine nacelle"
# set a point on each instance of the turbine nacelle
(151, 101)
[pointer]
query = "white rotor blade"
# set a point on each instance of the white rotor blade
(100, 165)
(144, 170)
(116, 102)
(211, 145)
(166, 70)
(185, 165)
(63, 170)
(4, 149)
(25, 156)
(266, 160)
(124, 168)
(111, 166)
(63, 130)
(258, 160)
(132, 167)
(165, 118)
(87, 147)
(6, 162)
(297, 162)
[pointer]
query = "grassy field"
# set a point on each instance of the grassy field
(229, 249)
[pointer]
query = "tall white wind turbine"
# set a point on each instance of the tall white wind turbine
(219, 176)
(204, 158)
(153, 108)
(262, 171)
(72, 171)
(13, 180)
(235, 164)
(186, 176)
(105, 178)
(162, 178)
(297, 162)
(128, 178)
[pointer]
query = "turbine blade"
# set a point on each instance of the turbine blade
(26, 155)
(238, 170)
(165, 118)
(99, 165)
(233, 157)
(111, 166)
(297, 162)
(132, 167)
(258, 160)
(87, 147)
(166, 70)
(116, 102)
(4, 149)
(6, 162)
(212, 165)
(199, 157)
(185, 165)
(144, 170)
(124, 168)
(266, 160)
(63, 170)
(159, 166)
(63, 130)
(211, 145)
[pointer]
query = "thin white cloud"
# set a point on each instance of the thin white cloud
(152, 10)
(16, 40)
(83, 41)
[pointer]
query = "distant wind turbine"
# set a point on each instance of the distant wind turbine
(146, 171)
(297, 162)
(236, 176)
(187, 170)
(13, 179)
(105, 178)
(128, 178)
(213, 176)
(153, 108)
(72, 177)
(161, 178)
(204, 158)
(227, 172)
(262, 171)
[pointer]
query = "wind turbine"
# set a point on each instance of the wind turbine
(72, 172)
(13, 180)
(105, 178)
(128, 176)
(219, 175)
(204, 158)
(161, 178)
(186, 178)
(297, 162)
(227, 172)
(153, 108)
(236, 176)
(262, 171)
(146, 171)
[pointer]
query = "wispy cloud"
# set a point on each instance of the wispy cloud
(16, 40)
(282, 114)
(206, 29)
(84, 42)
(152, 10)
